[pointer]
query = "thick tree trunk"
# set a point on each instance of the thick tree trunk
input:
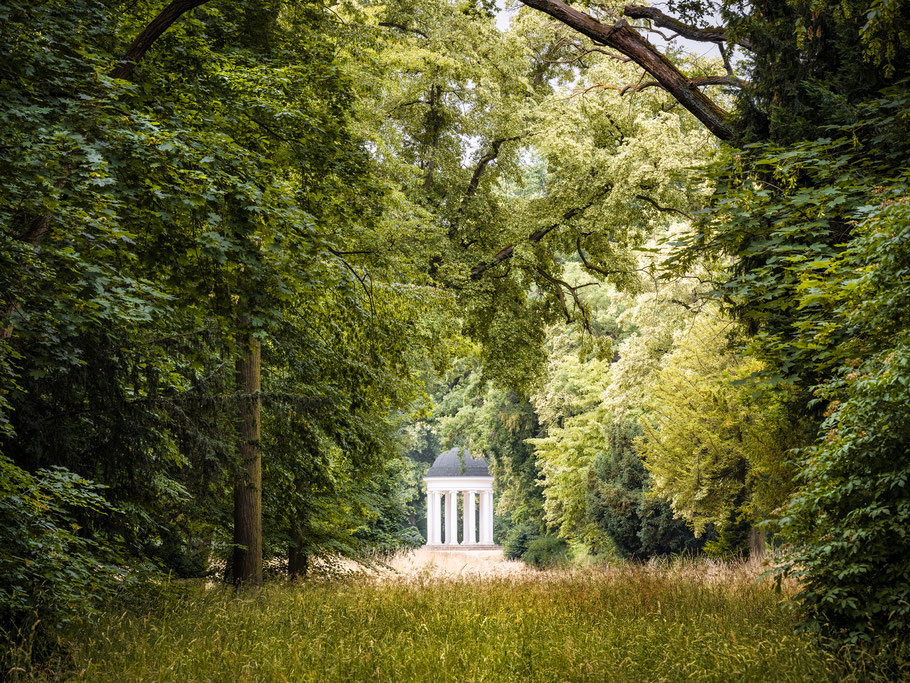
(298, 561)
(247, 564)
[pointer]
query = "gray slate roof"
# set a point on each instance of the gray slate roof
(458, 462)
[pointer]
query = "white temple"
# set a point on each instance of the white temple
(457, 472)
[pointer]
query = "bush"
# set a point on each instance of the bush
(640, 526)
(53, 568)
(518, 538)
(546, 552)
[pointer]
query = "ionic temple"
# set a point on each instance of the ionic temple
(456, 472)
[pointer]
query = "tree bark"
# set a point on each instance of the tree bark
(298, 561)
(757, 549)
(247, 564)
(622, 37)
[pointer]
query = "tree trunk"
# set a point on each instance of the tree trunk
(757, 544)
(298, 561)
(247, 565)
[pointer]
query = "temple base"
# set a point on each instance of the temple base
(460, 548)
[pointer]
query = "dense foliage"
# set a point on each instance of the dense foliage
(810, 210)
(250, 262)
(151, 229)
(820, 224)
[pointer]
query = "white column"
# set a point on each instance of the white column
(429, 517)
(490, 517)
(470, 524)
(432, 501)
(486, 518)
(437, 518)
(434, 518)
(451, 518)
(483, 518)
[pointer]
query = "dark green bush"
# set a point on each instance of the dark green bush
(518, 538)
(546, 552)
(641, 527)
(54, 567)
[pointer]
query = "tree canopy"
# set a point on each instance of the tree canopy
(260, 261)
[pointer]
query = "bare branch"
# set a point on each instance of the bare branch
(725, 55)
(509, 251)
(600, 50)
(485, 161)
(597, 269)
(712, 34)
(405, 29)
(729, 79)
(559, 285)
(479, 170)
(590, 266)
(681, 303)
(664, 209)
(362, 280)
(584, 51)
(411, 103)
(697, 82)
(559, 294)
(667, 38)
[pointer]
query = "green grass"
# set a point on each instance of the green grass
(627, 624)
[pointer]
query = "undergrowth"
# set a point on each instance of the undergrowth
(633, 623)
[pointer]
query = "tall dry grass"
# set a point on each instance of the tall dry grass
(439, 621)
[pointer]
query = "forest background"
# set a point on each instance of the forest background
(261, 262)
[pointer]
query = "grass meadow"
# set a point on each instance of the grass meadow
(685, 621)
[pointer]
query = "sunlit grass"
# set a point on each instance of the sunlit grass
(630, 623)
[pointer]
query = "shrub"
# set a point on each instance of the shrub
(546, 552)
(518, 538)
(53, 568)
(640, 526)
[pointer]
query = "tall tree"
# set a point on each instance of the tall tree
(216, 203)
(790, 209)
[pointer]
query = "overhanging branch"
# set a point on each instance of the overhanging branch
(535, 237)
(403, 28)
(559, 286)
(622, 37)
(697, 82)
(663, 209)
(151, 33)
(481, 167)
(711, 34)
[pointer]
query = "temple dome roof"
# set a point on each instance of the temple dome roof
(458, 462)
